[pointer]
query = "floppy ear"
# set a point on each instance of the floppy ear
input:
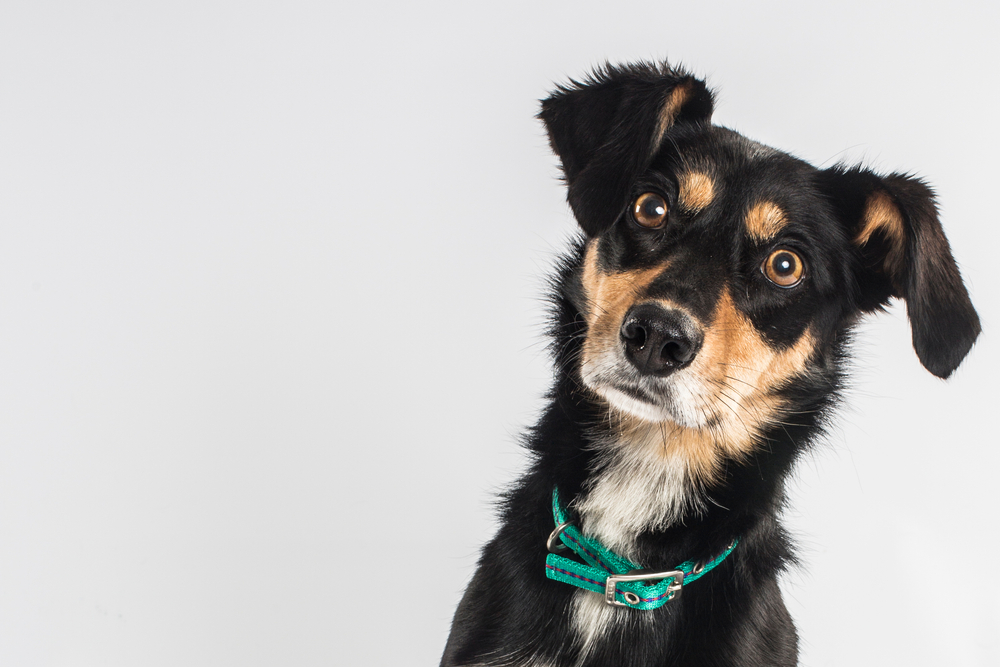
(607, 129)
(893, 224)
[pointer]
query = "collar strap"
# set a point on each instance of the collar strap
(622, 582)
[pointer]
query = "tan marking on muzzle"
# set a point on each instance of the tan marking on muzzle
(739, 375)
(697, 190)
(882, 215)
(609, 297)
(765, 220)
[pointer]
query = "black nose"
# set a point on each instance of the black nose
(658, 341)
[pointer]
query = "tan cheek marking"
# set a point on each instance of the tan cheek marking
(668, 114)
(609, 296)
(734, 350)
(741, 373)
(765, 220)
(696, 192)
(882, 215)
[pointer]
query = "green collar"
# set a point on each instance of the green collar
(623, 583)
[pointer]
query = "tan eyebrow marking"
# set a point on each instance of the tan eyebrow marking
(765, 220)
(697, 190)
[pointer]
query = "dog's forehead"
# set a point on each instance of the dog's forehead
(745, 182)
(721, 152)
(724, 144)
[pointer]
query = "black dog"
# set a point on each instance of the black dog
(700, 336)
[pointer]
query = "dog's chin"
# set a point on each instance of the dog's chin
(650, 410)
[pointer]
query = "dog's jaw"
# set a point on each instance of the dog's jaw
(675, 399)
(645, 410)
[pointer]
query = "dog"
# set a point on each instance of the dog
(701, 330)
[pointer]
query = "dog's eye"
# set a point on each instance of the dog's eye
(650, 210)
(783, 268)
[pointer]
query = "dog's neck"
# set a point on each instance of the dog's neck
(642, 480)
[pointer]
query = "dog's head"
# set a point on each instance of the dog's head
(717, 272)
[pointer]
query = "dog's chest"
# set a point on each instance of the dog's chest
(638, 484)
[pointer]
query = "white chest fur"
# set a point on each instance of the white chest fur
(641, 483)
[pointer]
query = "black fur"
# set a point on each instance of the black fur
(603, 131)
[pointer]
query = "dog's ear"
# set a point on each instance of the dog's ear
(607, 129)
(902, 251)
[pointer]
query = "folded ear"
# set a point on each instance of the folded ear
(607, 129)
(902, 252)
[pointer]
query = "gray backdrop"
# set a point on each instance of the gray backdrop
(270, 315)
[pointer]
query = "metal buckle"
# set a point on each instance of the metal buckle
(553, 544)
(611, 585)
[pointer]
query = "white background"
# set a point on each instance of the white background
(270, 316)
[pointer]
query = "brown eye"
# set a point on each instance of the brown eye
(650, 210)
(783, 268)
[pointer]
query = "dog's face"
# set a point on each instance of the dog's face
(714, 288)
(718, 272)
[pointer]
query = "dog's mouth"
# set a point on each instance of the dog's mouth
(651, 400)
(636, 393)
